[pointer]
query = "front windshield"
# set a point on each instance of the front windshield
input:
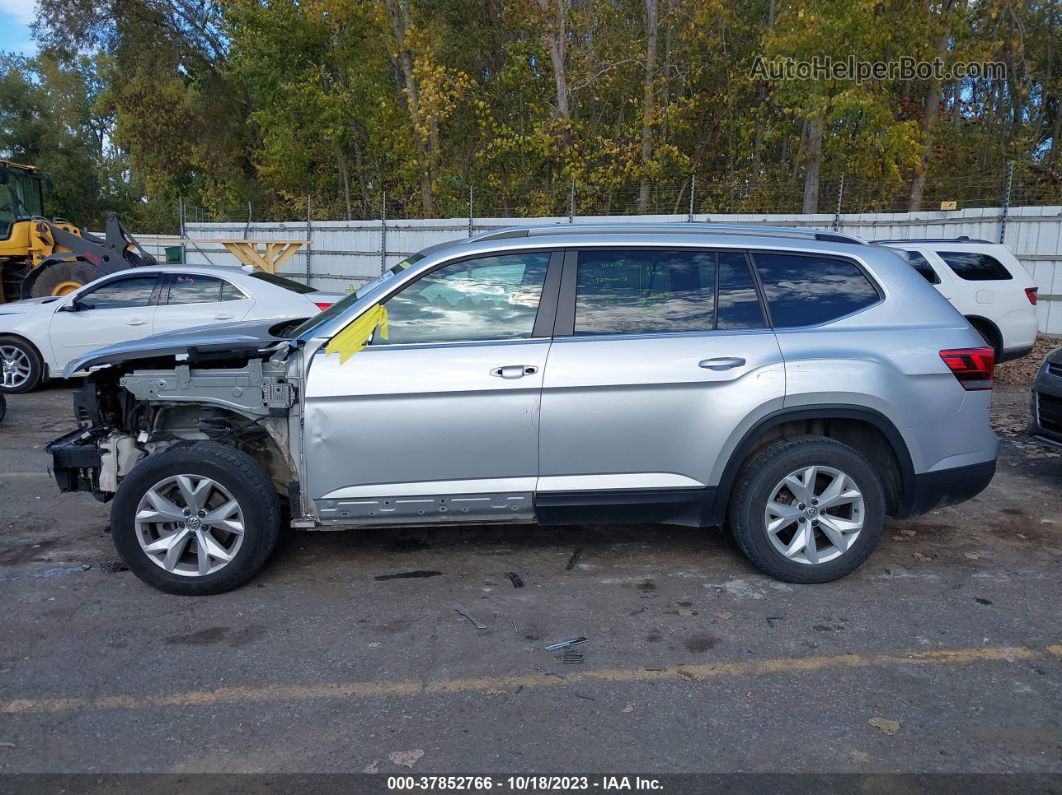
(341, 306)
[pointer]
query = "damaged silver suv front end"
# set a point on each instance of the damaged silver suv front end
(236, 384)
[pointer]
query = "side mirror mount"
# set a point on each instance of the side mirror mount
(74, 306)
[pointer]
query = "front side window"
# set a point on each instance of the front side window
(488, 298)
(806, 290)
(663, 291)
(975, 267)
(121, 293)
(194, 288)
(921, 264)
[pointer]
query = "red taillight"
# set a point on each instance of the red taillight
(972, 366)
(1030, 293)
(321, 306)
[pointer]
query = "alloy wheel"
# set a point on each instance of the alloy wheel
(814, 514)
(15, 367)
(189, 525)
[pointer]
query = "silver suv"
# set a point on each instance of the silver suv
(796, 386)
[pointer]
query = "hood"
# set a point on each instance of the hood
(1055, 356)
(229, 339)
(28, 305)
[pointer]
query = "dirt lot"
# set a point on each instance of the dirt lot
(942, 654)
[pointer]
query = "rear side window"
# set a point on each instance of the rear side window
(663, 291)
(975, 267)
(921, 264)
(193, 288)
(803, 290)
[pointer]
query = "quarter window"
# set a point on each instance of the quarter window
(121, 293)
(921, 264)
(975, 267)
(806, 290)
(489, 298)
(660, 291)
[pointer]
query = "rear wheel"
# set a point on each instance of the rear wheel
(62, 278)
(807, 509)
(21, 366)
(196, 519)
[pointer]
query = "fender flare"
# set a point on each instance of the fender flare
(818, 412)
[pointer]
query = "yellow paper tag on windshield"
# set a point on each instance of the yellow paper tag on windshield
(356, 336)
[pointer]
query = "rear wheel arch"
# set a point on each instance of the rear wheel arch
(866, 430)
(990, 331)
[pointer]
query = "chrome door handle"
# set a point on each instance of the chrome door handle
(137, 322)
(721, 363)
(222, 317)
(514, 371)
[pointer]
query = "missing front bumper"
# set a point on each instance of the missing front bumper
(76, 462)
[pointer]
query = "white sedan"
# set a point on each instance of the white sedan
(39, 336)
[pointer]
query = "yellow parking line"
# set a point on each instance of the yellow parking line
(681, 673)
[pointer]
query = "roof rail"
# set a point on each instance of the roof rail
(677, 228)
(960, 239)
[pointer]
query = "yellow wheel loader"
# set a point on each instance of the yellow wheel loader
(40, 257)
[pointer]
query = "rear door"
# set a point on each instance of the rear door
(658, 354)
(117, 310)
(196, 299)
(439, 420)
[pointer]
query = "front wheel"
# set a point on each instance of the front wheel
(21, 367)
(807, 509)
(196, 519)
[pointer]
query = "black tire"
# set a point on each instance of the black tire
(765, 469)
(234, 470)
(57, 273)
(31, 356)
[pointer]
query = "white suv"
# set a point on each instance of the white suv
(986, 283)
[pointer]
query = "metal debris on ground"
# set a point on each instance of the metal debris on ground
(408, 575)
(566, 644)
(573, 560)
(464, 612)
(515, 579)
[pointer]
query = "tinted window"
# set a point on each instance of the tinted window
(229, 292)
(921, 264)
(280, 281)
(974, 267)
(193, 288)
(134, 291)
(661, 291)
(807, 290)
(491, 298)
(738, 305)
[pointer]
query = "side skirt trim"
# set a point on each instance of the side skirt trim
(686, 507)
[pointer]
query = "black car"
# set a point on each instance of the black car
(1046, 424)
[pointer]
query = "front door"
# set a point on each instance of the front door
(658, 356)
(439, 421)
(118, 310)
